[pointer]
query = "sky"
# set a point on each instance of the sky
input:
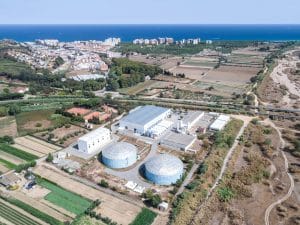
(149, 12)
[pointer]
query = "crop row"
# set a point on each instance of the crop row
(14, 216)
(17, 152)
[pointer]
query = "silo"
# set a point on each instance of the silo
(163, 169)
(119, 155)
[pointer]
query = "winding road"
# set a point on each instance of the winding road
(286, 165)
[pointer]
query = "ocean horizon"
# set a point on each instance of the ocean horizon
(129, 32)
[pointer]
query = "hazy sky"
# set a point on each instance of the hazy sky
(150, 11)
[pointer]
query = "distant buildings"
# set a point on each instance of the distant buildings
(166, 40)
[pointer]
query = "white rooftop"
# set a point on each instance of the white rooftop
(94, 134)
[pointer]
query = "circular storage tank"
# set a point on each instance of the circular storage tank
(163, 169)
(119, 155)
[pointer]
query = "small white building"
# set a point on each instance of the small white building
(219, 123)
(94, 140)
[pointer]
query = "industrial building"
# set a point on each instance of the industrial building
(119, 155)
(219, 123)
(192, 118)
(94, 140)
(163, 169)
(141, 119)
(178, 141)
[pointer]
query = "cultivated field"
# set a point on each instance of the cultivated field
(10, 214)
(231, 75)
(11, 158)
(112, 207)
(35, 146)
(8, 126)
(65, 199)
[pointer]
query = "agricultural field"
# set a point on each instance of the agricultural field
(112, 207)
(231, 75)
(10, 214)
(8, 126)
(65, 199)
(33, 121)
(145, 217)
(47, 214)
(64, 136)
(22, 155)
(35, 146)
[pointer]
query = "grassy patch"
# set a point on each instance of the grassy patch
(137, 88)
(65, 199)
(33, 211)
(145, 217)
(26, 120)
(17, 152)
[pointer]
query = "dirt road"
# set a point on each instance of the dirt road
(230, 152)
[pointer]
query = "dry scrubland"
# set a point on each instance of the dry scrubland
(255, 179)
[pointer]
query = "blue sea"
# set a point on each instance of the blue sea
(130, 32)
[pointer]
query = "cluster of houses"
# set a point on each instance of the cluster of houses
(167, 40)
(96, 116)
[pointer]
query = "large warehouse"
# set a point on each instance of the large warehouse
(141, 119)
(119, 155)
(94, 140)
(163, 169)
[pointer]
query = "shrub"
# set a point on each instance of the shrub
(104, 184)
(225, 194)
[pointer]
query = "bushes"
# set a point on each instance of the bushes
(17, 152)
(7, 140)
(25, 166)
(151, 198)
(145, 217)
(225, 194)
(104, 184)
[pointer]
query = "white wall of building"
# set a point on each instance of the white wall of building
(94, 140)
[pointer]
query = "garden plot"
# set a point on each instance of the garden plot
(11, 158)
(14, 215)
(117, 209)
(35, 146)
(29, 150)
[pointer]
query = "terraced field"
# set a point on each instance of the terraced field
(15, 217)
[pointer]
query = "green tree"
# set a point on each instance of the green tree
(14, 109)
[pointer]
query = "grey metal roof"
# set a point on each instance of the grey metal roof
(144, 114)
(120, 150)
(164, 165)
